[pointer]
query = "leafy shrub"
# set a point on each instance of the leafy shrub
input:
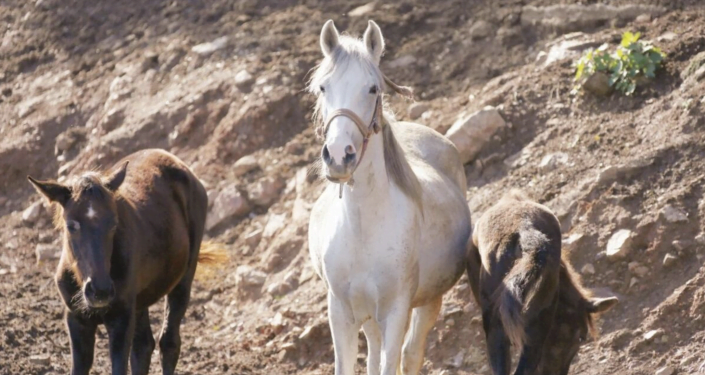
(631, 62)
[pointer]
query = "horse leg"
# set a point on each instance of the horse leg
(422, 320)
(394, 326)
(82, 337)
(498, 346)
(176, 303)
(344, 332)
(537, 330)
(142, 345)
(120, 325)
(374, 346)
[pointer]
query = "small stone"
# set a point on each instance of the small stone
(643, 18)
(363, 9)
(208, 48)
(248, 276)
(553, 161)
(648, 336)
(46, 252)
(666, 370)
(112, 120)
(700, 238)
(450, 322)
(680, 245)
(274, 225)
(243, 78)
(669, 260)
(417, 109)
(41, 360)
(31, 214)
(637, 269)
(599, 84)
(279, 288)
(673, 214)
(252, 239)
(588, 269)
(573, 238)
(619, 245)
(266, 191)
(244, 165)
(633, 282)
(480, 30)
(667, 36)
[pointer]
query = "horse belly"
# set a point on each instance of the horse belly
(444, 236)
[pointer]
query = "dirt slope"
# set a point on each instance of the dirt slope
(82, 83)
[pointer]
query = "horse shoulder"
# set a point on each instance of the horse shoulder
(425, 145)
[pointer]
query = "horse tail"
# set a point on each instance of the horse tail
(211, 256)
(514, 296)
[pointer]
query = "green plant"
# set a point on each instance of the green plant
(626, 66)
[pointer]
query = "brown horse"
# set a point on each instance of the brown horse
(129, 239)
(530, 296)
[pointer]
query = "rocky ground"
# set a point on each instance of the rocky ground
(220, 84)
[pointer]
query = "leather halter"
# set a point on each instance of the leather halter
(367, 130)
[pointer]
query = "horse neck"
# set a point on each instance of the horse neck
(371, 184)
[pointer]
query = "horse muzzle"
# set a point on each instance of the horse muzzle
(98, 296)
(340, 170)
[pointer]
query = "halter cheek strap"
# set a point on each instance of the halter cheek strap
(366, 130)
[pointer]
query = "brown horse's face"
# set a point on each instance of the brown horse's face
(571, 328)
(90, 221)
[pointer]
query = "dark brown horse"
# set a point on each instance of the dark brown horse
(530, 296)
(130, 237)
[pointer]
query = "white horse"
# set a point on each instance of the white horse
(392, 244)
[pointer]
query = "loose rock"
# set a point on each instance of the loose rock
(666, 370)
(588, 269)
(244, 165)
(248, 276)
(266, 191)
(46, 252)
(243, 78)
(471, 133)
(619, 245)
(205, 49)
(638, 269)
(669, 260)
(253, 238)
(227, 204)
(417, 109)
(32, 213)
(599, 84)
(363, 9)
(480, 30)
(401, 62)
(41, 360)
(553, 161)
(673, 214)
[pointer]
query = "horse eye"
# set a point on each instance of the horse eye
(373, 90)
(322, 89)
(73, 226)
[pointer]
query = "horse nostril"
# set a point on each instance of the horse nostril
(90, 292)
(349, 155)
(326, 155)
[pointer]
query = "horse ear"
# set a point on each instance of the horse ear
(114, 181)
(374, 40)
(329, 38)
(600, 305)
(53, 191)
